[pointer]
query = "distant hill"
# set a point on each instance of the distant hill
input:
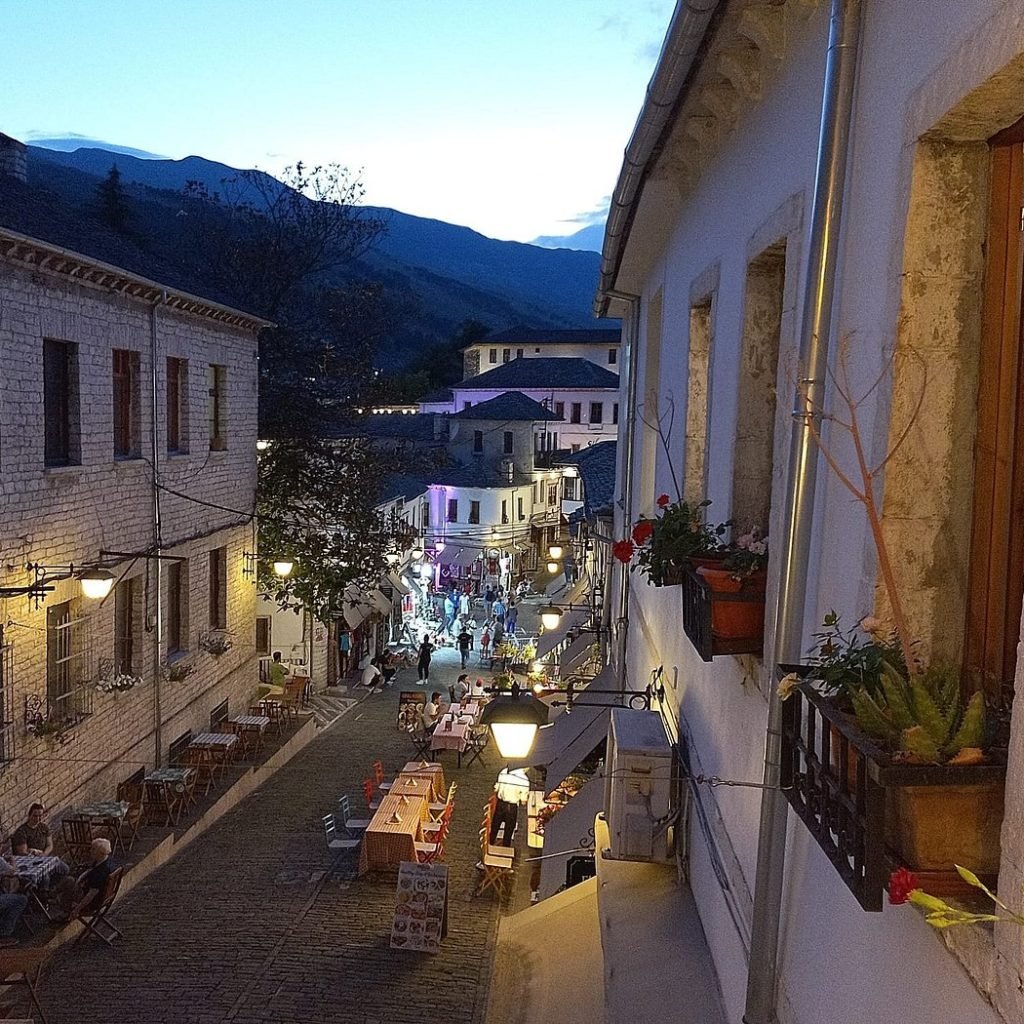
(69, 143)
(590, 238)
(444, 273)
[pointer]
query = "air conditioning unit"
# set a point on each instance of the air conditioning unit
(638, 786)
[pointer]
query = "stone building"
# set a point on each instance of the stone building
(599, 345)
(127, 444)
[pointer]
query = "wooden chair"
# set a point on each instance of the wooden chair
(23, 967)
(345, 816)
(240, 751)
(427, 853)
(369, 792)
(497, 870)
(165, 798)
(134, 795)
(334, 841)
(78, 837)
(378, 775)
(293, 697)
(96, 920)
(437, 810)
(420, 738)
(201, 761)
(274, 710)
(479, 737)
(438, 830)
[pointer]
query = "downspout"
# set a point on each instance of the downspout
(158, 629)
(631, 325)
(815, 335)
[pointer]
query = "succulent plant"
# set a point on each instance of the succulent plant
(923, 718)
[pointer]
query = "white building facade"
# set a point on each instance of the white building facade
(598, 345)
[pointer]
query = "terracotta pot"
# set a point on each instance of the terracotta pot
(735, 620)
(706, 561)
(933, 828)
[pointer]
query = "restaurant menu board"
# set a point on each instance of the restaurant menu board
(410, 708)
(421, 912)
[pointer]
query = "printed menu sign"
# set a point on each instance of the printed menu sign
(421, 911)
(410, 708)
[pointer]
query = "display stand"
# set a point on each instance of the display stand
(421, 908)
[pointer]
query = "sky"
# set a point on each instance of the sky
(509, 116)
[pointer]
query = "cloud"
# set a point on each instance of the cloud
(597, 214)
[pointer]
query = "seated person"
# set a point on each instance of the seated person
(12, 902)
(431, 711)
(278, 670)
(386, 663)
(33, 834)
(460, 689)
(372, 675)
(476, 690)
(92, 882)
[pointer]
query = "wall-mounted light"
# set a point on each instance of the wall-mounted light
(393, 557)
(514, 721)
(261, 445)
(417, 552)
(439, 546)
(550, 617)
(555, 551)
(283, 567)
(553, 567)
(96, 583)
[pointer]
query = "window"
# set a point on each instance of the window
(576, 413)
(575, 448)
(613, 356)
(519, 353)
(219, 588)
(504, 512)
(126, 403)
(177, 405)
(478, 442)
(570, 488)
(492, 356)
(560, 410)
(506, 354)
(536, 351)
(474, 512)
(60, 403)
(535, 491)
(453, 510)
(177, 607)
(508, 441)
(519, 509)
(218, 408)
(552, 494)
(425, 514)
(467, 405)
(597, 412)
(68, 688)
(698, 400)
(124, 626)
(263, 640)
(615, 413)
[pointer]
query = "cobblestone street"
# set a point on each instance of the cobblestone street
(248, 924)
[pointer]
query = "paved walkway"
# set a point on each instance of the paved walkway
(249, 925)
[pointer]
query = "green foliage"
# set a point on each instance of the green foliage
(924, 718)
(679, 533)
(113, 207)
(848, 661)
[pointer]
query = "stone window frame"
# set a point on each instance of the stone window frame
(697, 422)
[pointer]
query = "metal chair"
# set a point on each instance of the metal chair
(420, 738)
(345, 816)
(479, 738)
(334, 841)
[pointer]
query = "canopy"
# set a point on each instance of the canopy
(553, 637)
(379, 601)
(455, 555)
(578, 652)
(399, 584)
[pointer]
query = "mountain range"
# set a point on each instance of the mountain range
(439, 274)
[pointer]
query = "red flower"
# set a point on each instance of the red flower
(663, 500)
(642, 531)
(623, 550)
(901, 883)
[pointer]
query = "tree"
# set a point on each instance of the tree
(285, 250)
(113, 207)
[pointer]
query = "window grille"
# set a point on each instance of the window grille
(69, 688)
(7, 730)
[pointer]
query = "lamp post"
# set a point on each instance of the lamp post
(550, 617)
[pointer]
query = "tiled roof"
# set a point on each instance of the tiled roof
(513, 405)
(402, 485)
(596, 465)
(438, 395)
(539, 336)
(477, 474)
(542, 372)
(417, 427)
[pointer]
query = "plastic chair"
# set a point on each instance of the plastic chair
(345, 816)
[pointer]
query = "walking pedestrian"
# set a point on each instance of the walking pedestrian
(512, 616)
(499, 610)
(344, 651)
(489, 600)
(499, 634)
(449, 613)
(485, 642)
(464, 605)
(465, 642)
(423, 663)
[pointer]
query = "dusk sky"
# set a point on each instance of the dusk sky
(509, 117)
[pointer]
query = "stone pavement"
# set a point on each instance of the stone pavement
(249, 924)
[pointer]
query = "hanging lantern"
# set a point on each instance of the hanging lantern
(550, 617)
(283, 567)
(96, 583)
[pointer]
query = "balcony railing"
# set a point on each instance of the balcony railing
(698, 617)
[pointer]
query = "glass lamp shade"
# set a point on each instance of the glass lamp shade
(96, 583)
(439, 546)
(262, 446)
(550, 617)
(514, 739)
(514, 721)
(552, 567)
(417, 553)
(283, 567)
(555, 551)
(392, 557)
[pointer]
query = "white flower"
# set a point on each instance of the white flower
(870, 624)
(787, 684)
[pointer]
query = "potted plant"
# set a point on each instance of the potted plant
(216, 642)
(742, 570)
(679, 537)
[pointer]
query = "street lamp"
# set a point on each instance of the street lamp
(96, 583)
(439, 546)
(552, 567)
(417, 553)
(514, 721)
(283, 567)
(555, 551)
(392, 557)
(262, 446)
(550, 617)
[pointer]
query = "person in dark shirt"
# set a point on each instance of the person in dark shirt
(465, 642)
(34, 834)
(92, 883)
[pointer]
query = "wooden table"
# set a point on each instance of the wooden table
(252, 725)
(107, 814)
(431, 770)
(456, 738)
(387, 842)
(219, 744)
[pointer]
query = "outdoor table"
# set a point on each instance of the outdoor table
(173, 779)
(386, 842)
(36, 871)
(219, 744)
(456, 738)
(253, 724)
(428, 770)
(415, 785)
(171, 775)
(107, 813)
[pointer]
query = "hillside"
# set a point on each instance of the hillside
(439, 274)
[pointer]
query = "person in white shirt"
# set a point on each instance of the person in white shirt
(371, 675)
(461, 688)
(431, 711)
(511, 789)
(464, 605)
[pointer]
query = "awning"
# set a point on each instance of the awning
(463, 557)
(354, 606)
(380, 602)
(578, 652)
(399, 584)
(579, 591)
(570, 620)
(563, 834)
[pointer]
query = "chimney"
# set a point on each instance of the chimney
(13, 158)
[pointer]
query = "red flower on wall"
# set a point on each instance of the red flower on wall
(623, 550)
(901, 884)
(642, 531)
(663, 500)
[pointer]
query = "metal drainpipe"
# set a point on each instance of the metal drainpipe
(830, 178)
(631, 322)
(158, 632)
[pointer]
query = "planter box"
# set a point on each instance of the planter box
(699, 605)
(870, 815)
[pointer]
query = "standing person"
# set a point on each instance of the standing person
(489, 600)
(465, 642)
(449, 613)
(499, 610)
(423, 663)
(344, 650)
(499, 635)
(485, 642)
(511, 616)
(464, 605)
(511, 789)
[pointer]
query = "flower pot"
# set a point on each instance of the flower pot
(934, 828)
(671, 577)
(735, 620)
(706, 562)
